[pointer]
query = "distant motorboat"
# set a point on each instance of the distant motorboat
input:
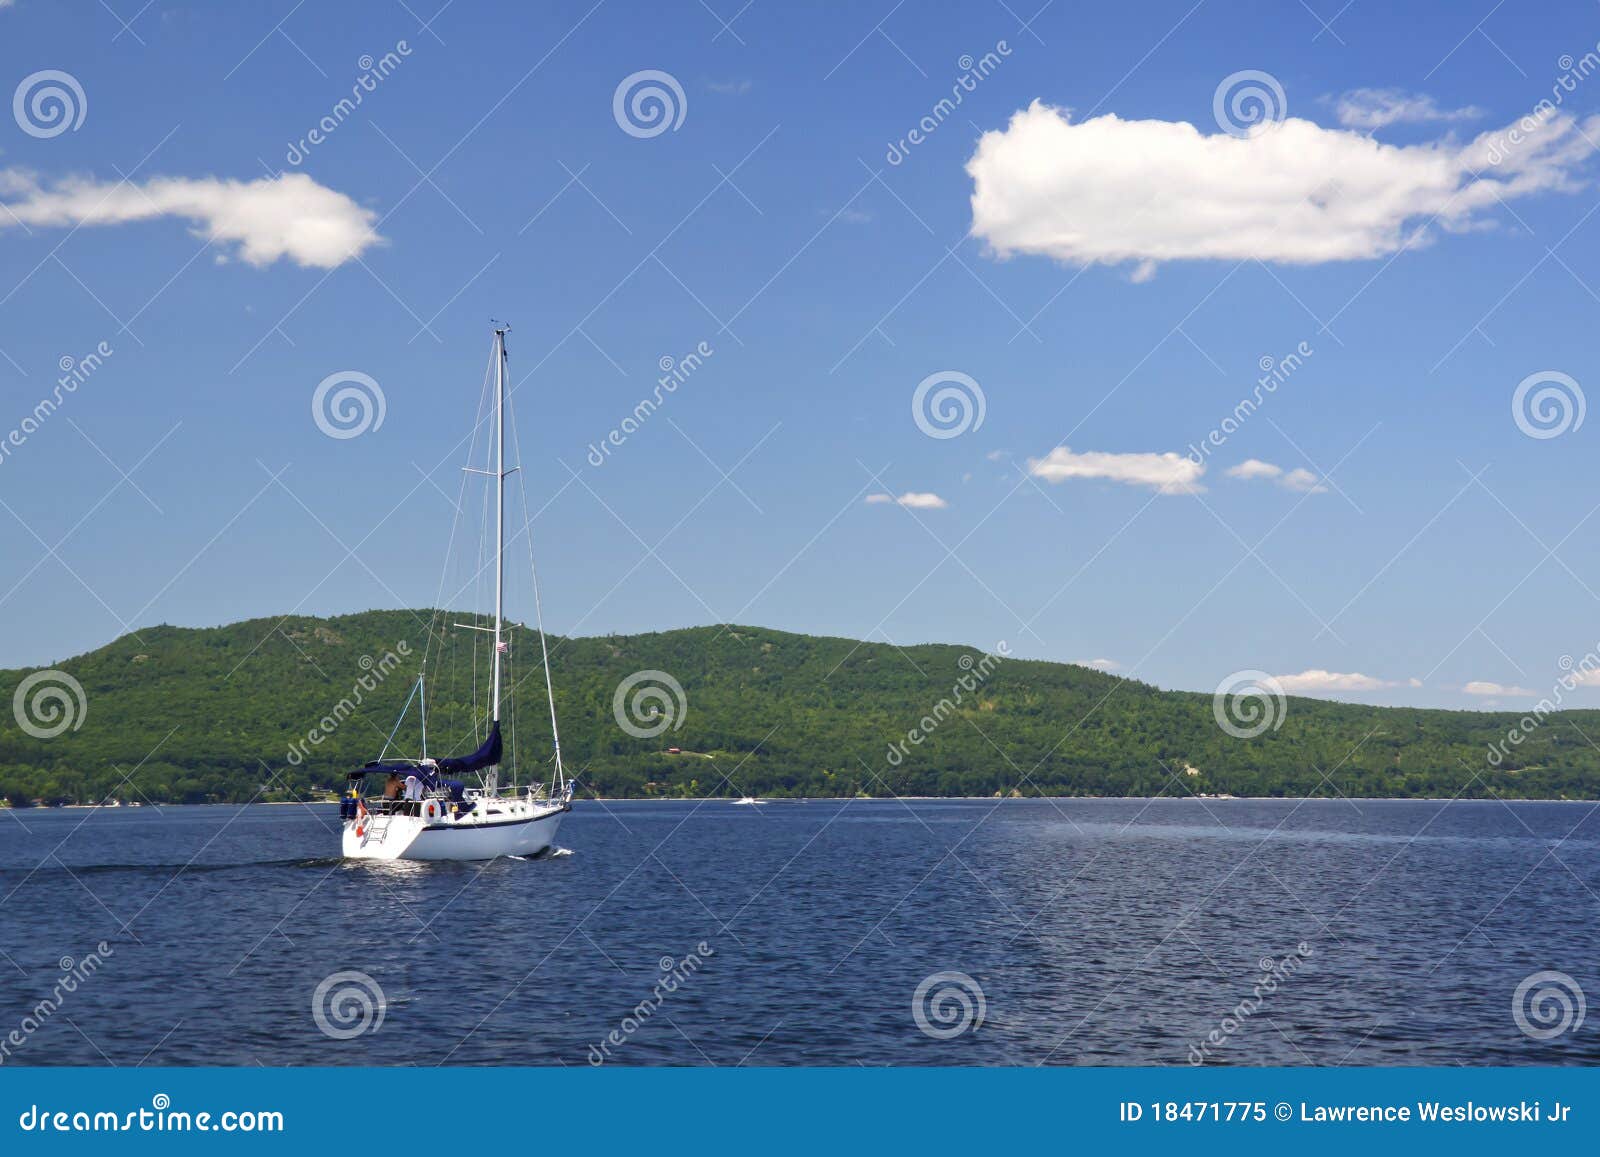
(748, 801)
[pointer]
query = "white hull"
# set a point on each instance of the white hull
(502, 828)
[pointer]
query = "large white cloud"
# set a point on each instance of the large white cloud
(1112, 190)
(267, 219)
(1168, 473)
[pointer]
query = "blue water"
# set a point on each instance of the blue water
(1098, 931)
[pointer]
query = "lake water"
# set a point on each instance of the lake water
(1097, 932)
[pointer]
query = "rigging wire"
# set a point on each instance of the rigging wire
(559, 779)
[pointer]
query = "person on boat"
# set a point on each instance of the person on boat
(391, 786)
(413, 788)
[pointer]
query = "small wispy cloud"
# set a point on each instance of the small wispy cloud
(1100, 664)
(1317, 680)
(1373, 108)
(1479, 687)
(1253, 468)
(1299, 479)
(263, 220)
(1167, 473)
(731, 87)
(915, 499)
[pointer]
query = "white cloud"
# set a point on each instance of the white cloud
(1304, 481)
(1317, 679)
(916, 500)
(1374, 108)
(1253, 468)
(1100, 664)
(730, 87)
(1299, 479)
(1112, 190)
(1482, 688)
(269, 218)
(1168, 473)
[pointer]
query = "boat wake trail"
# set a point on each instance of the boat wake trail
(547, 854)
(188, 868)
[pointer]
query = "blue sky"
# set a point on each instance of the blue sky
(1112, 297)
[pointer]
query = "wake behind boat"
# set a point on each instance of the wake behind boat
(427, 811)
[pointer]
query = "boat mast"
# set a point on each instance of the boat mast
(499, 504)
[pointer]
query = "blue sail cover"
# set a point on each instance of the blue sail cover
(485, 757)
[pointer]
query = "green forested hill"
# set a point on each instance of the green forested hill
(214, 714)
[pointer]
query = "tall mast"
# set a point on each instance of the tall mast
(499, 504)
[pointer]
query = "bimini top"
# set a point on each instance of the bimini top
(432, 772)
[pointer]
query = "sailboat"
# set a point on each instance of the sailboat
(437, 816)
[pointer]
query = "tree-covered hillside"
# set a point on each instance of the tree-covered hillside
(228, 713)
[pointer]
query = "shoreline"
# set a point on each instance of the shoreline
(1342, 799)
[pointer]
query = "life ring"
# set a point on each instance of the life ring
(431, 811)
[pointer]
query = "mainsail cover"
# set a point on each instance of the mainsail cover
(487, 755)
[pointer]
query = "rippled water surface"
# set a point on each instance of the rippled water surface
(1098, 931)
